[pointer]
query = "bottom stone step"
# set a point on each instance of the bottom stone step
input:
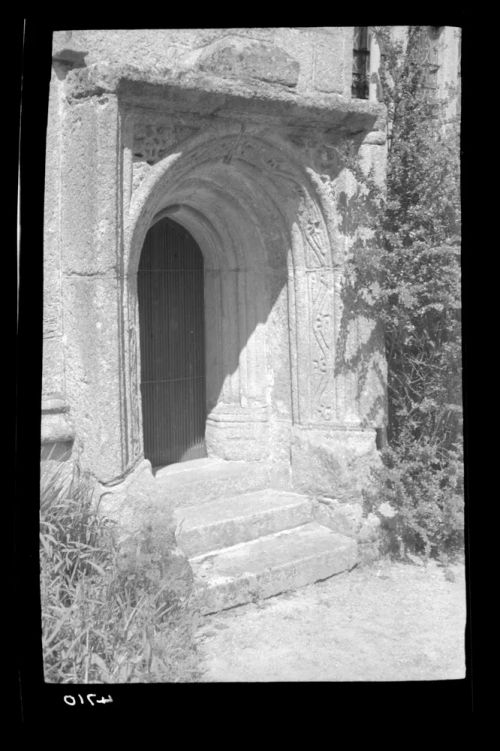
(270, 565)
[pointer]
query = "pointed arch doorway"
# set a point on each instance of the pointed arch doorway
(170, 288)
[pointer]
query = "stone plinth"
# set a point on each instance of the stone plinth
(334, 463)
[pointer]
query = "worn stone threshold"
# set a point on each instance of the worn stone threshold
(210, 464)
(203, 480)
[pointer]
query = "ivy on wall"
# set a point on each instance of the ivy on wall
(406, 272)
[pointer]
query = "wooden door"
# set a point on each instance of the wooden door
(171, 319)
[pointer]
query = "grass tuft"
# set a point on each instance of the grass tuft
(101, 624)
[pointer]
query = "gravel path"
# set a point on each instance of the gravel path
(386, 622)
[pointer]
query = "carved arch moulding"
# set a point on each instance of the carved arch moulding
(169, 161)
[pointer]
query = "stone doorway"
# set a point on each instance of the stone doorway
(253, 168)
(172, 344)
(282, 351)
(273, 314)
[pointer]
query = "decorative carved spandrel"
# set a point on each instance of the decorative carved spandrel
(326, 159)
(317, 150)
(264, 159)
(278, 169)
(153, 141)
(220, 150)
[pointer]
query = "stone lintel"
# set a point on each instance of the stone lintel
(209, 95)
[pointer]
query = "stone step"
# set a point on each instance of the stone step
(203, 480)
(271, 565)
(229, 521)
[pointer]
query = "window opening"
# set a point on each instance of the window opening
(360, 63)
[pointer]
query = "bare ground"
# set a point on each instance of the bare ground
(384, 622)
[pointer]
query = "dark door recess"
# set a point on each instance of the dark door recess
(172, 334)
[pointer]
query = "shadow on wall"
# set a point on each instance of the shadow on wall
(245, 248)
(360, 345)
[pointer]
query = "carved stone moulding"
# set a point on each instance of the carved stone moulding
(57, 430)
(181, 157)
(154, 138)
(206, 93)
(237, 433)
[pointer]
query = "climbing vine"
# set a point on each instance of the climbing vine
(406, 270)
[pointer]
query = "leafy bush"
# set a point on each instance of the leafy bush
(101, 622)
(419, 497)
(405, 272)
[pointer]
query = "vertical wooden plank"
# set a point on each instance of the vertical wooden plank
(172, 334)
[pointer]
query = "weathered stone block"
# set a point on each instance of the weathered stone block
(333, 463)
(204, 480)
(136, 501)
(344, 518)
(231, 521)
(235, 434)
(92, 361)
(53, 365)
(369, 531)
(331, 70)
(145, 530)
(54, 402)
(57, 427)
(180, 48)
(65, 51)
(89, 166)
(270, 565)
(347, 519)
(243, 59)
(368, 552)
